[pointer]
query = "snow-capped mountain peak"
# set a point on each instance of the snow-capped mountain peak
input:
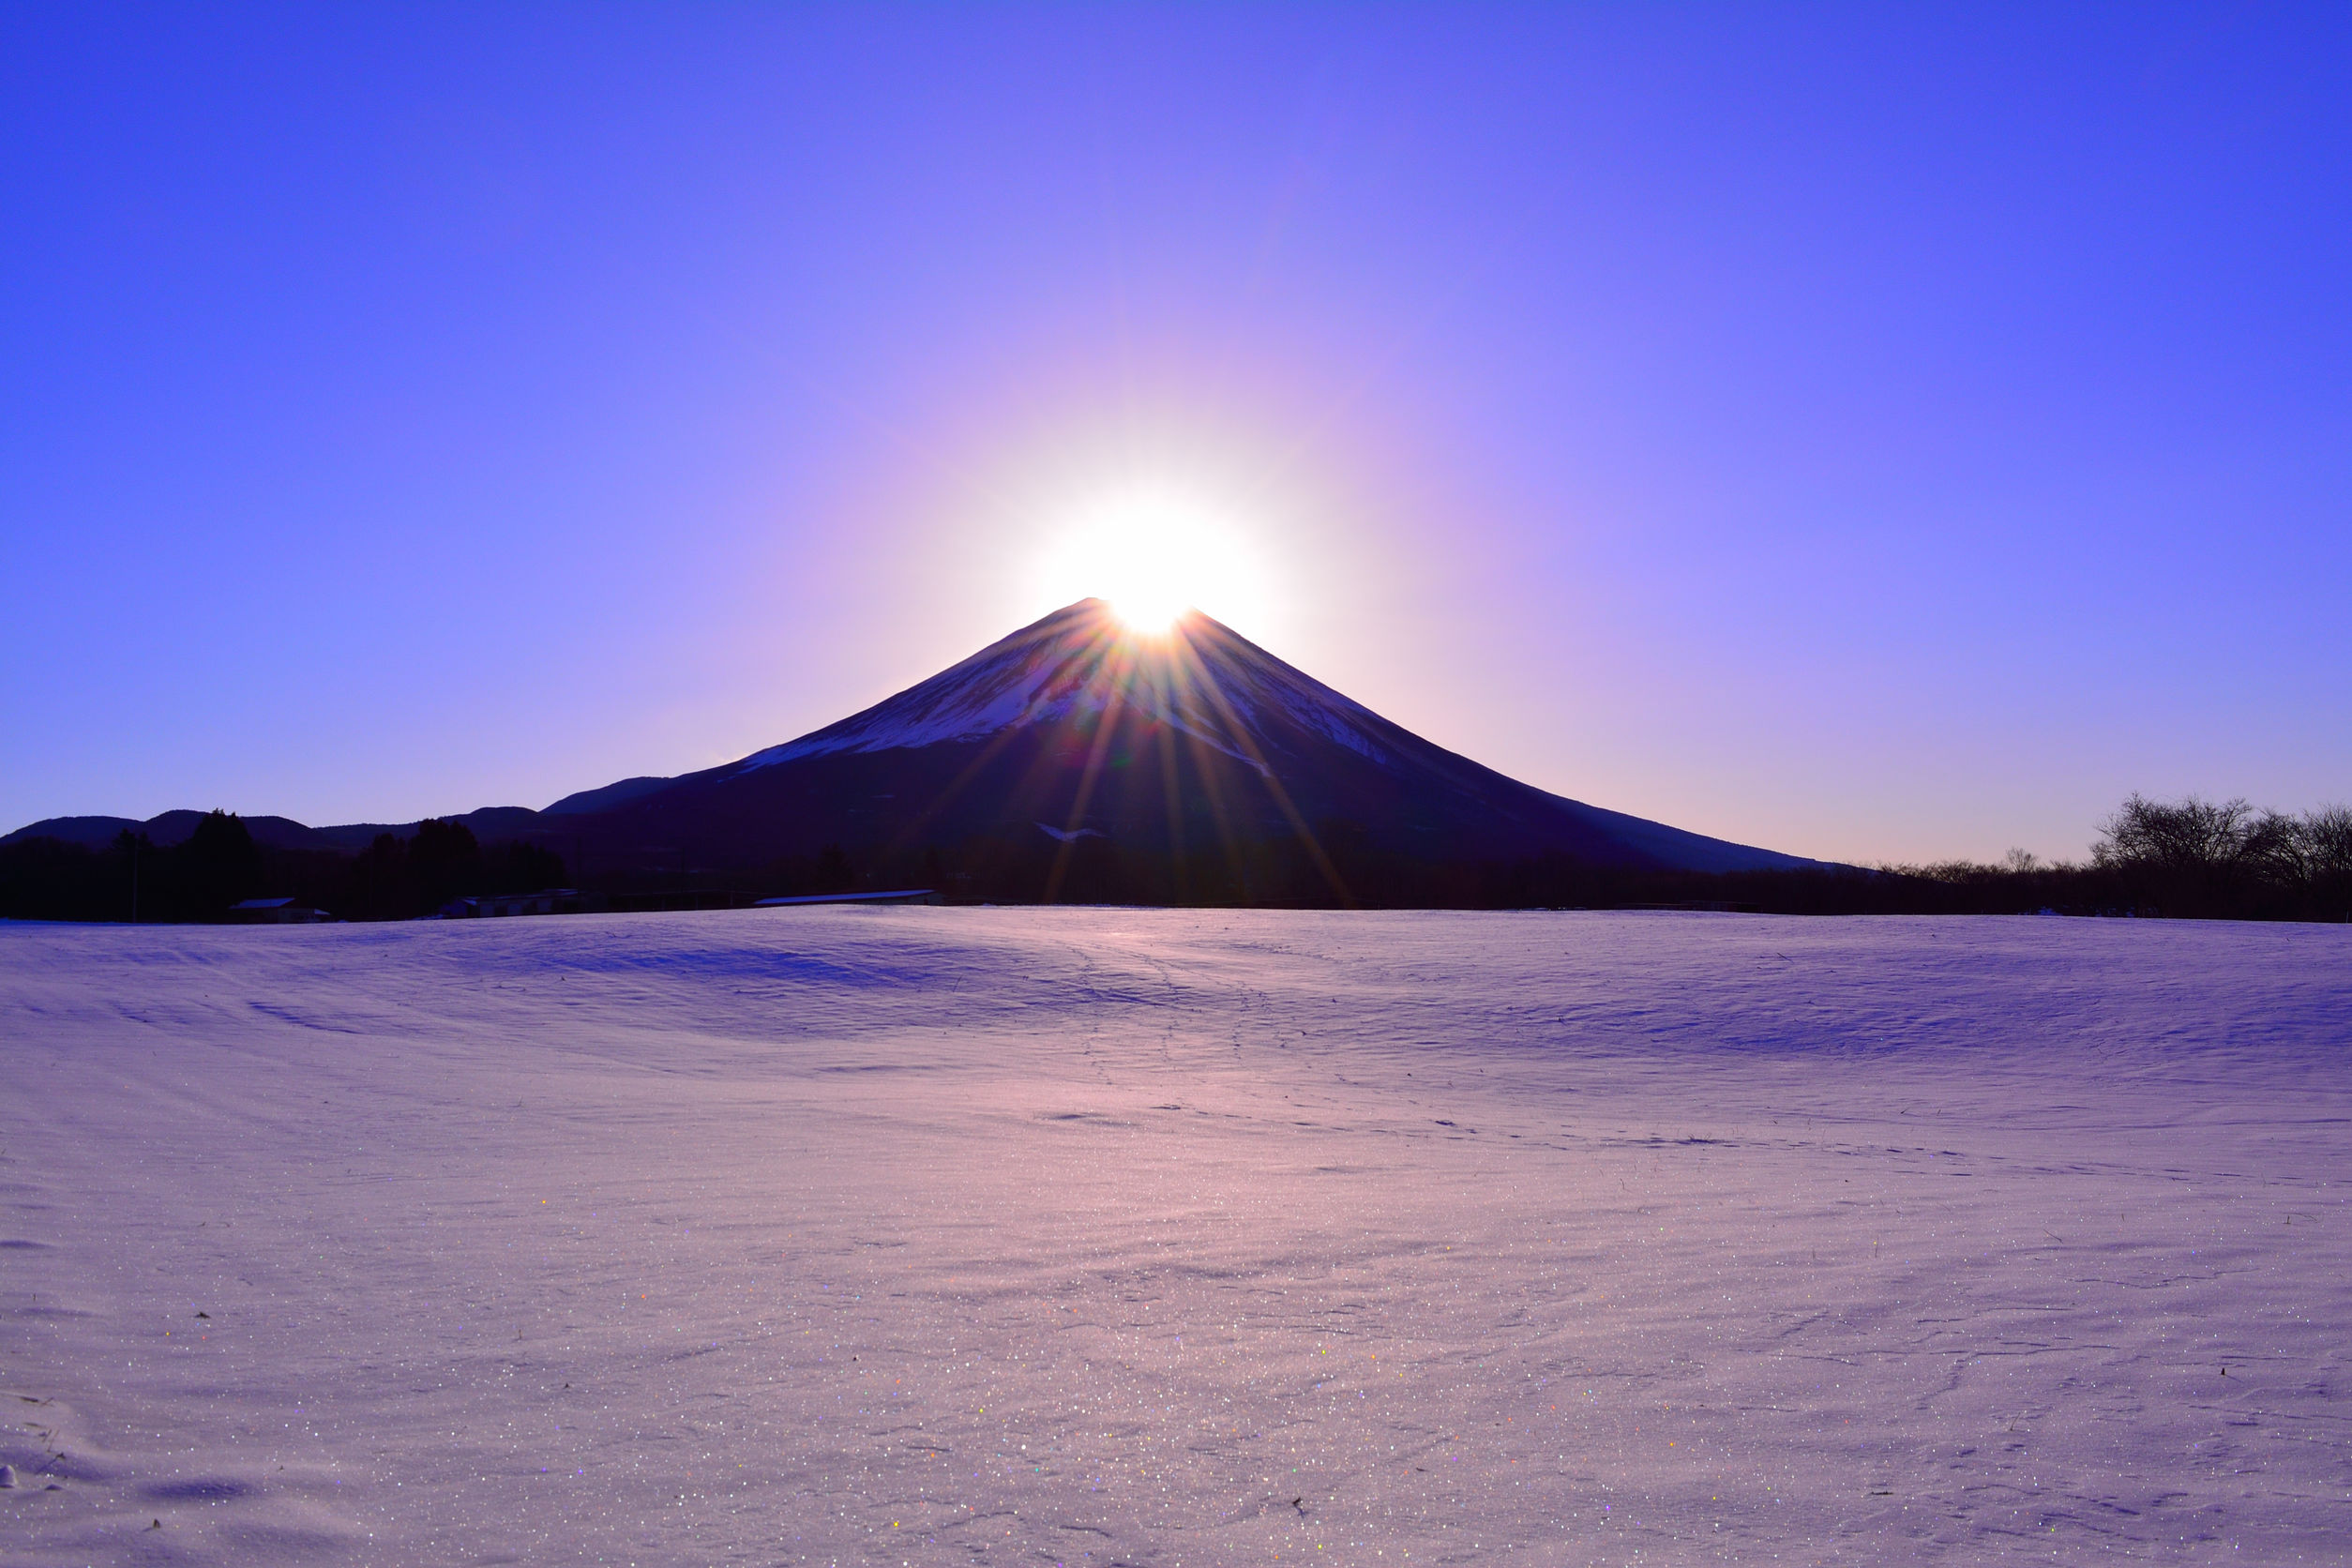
(1167, 747)
(1201, 679)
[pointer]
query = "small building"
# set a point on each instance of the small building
(276, 912)
(548, 900)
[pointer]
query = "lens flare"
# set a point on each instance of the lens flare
(1154, 553)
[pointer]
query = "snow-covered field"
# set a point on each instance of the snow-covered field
(915, 1236)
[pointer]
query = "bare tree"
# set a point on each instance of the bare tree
(2274, 845)
(2325, 837)
(2188, 834)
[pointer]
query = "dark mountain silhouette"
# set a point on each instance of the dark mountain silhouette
(1076, 728)
(1074, 737)
(169, 828)
(611, 796)
(275, 833)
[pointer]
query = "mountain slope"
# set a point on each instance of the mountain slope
(1075, 728)
(1073, 735)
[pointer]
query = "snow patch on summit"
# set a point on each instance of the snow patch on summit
(1203, 682)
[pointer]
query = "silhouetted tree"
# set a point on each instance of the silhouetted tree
(377, 886)
(444, 861)
(2328, 841)
(217, 866)
(2313, 854)
(2190, 834)
(515, 866)
(2200, 857)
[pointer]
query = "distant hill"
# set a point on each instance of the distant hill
(589, 801)
(278, 833)
(172, 827)
(489, 824)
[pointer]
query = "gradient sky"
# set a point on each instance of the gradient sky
(1873, 432)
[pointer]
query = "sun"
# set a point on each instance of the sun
(1154, 552)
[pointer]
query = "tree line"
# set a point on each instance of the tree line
(2192, 858)
(219, 864)
(2188, 859)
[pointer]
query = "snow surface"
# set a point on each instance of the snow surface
(919, 1235)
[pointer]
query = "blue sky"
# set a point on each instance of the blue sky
(1873, 432)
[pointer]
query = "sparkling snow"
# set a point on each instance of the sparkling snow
(910, 1236)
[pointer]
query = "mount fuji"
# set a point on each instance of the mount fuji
(1194, 743)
